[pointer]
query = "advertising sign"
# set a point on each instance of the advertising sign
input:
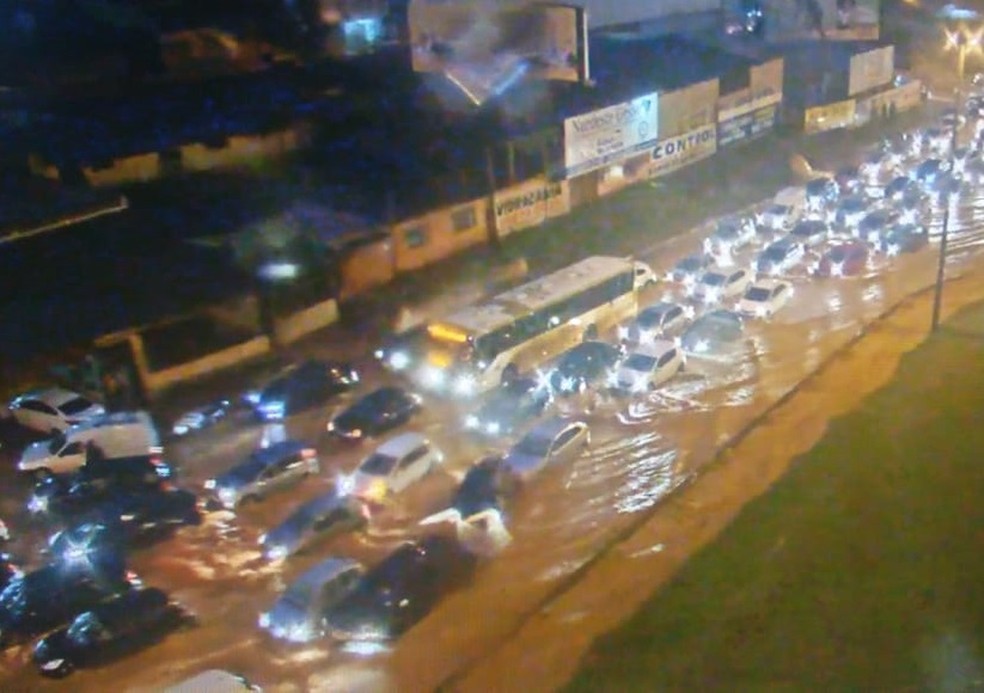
(747, 120)
(871, 69)
(829, 117)
(673, 153)
(529, 203)
(596, 139)
(486, 47)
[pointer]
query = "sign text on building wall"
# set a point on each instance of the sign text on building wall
(608, 135)
(529, 203)
(673, 153)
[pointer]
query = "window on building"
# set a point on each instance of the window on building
(415, 236)
(463, 218)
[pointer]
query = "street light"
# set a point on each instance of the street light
(964, 41)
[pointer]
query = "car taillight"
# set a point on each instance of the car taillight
(167, 486)
(308, 453)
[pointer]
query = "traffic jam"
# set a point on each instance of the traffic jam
(377, 503)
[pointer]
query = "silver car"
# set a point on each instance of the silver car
(264, 472)
(556, 440)
(298, 616)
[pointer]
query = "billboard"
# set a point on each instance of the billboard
(748, 119)
(836, 20)
(831, 116)
(529, 203)
(871, 69)
(486, 46)
(673, 153)
(596, 139)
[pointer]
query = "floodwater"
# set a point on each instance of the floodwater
(643, 447)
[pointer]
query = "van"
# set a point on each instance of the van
(108, 436)
(214, 681)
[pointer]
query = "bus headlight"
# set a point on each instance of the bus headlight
(399, 360)
(464, 385)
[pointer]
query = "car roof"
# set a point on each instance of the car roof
(324, 572)
(120, 608)
(784, 242)
(401, 444)
(768, 284)
(55, 396)
(551, 427)
(659, 308)
(656, 349)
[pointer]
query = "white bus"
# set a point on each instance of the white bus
(479, 347)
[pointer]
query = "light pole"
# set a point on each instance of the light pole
(963, 41)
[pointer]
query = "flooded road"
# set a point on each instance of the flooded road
(643, 447)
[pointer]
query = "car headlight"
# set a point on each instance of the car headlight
(180, 429)
(711, 295)
(253, 397)
(276, 553)
(464, 385)
(640, 383)
(38, 504)
(264, 620)
(471, 421)
(647, 336)
(623, 333)
(209, 484)
(567, 384)
(399, 360)
(702, 346)
(355, 433)
(330, 426)
(433, 377)
(493, 428)
(379, 354)
(837, 270)
(227, 497)
(761, 311)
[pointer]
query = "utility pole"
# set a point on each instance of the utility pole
(963, 42)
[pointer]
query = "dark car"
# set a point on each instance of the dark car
(810, 232)
(822, 190)
(110, 631)
(897, 187)
(302, 386)
(509, 406)
(875, 224)
(487, 485)
(712, 331)
(690, 268)
(928, 170)
(126, 521)
(851, 210)
(377, 412)
(399, 591)
(780, 256)
(582, 366)
(396, 352)
(50, 596)
(98, 481)
(904, 238)
(844, 260)
(848, 179)
(321, 518)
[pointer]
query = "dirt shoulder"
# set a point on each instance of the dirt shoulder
(548, 649)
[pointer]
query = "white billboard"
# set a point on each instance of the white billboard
(871, 69)
(596, 139)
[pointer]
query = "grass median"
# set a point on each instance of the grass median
(859, 570)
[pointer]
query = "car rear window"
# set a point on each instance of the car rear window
(75, 405)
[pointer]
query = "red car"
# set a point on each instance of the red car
(845, 260)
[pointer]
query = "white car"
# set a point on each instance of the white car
(395, 465)
(731, 234)
(53, 409)
(764, 298)
(721, 284)
(654, 321)
(649, 366)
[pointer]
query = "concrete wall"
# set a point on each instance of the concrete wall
(290, 328)
(156, 382)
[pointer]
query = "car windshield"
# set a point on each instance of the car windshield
(651, 317)
(378, 464)
(854, 205)
(776, 252)
(838, 254)
(310, 511)
(778, 210)
(640, 362)
(758, 293)
(298, 594)
(85, 630)
(380, 400)
(806, 229)
(533, 445)
(689, 264)
(727, 231)
(714, 279)
(75, 405)
(56, 443)
(13, 599)
(583, 358)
